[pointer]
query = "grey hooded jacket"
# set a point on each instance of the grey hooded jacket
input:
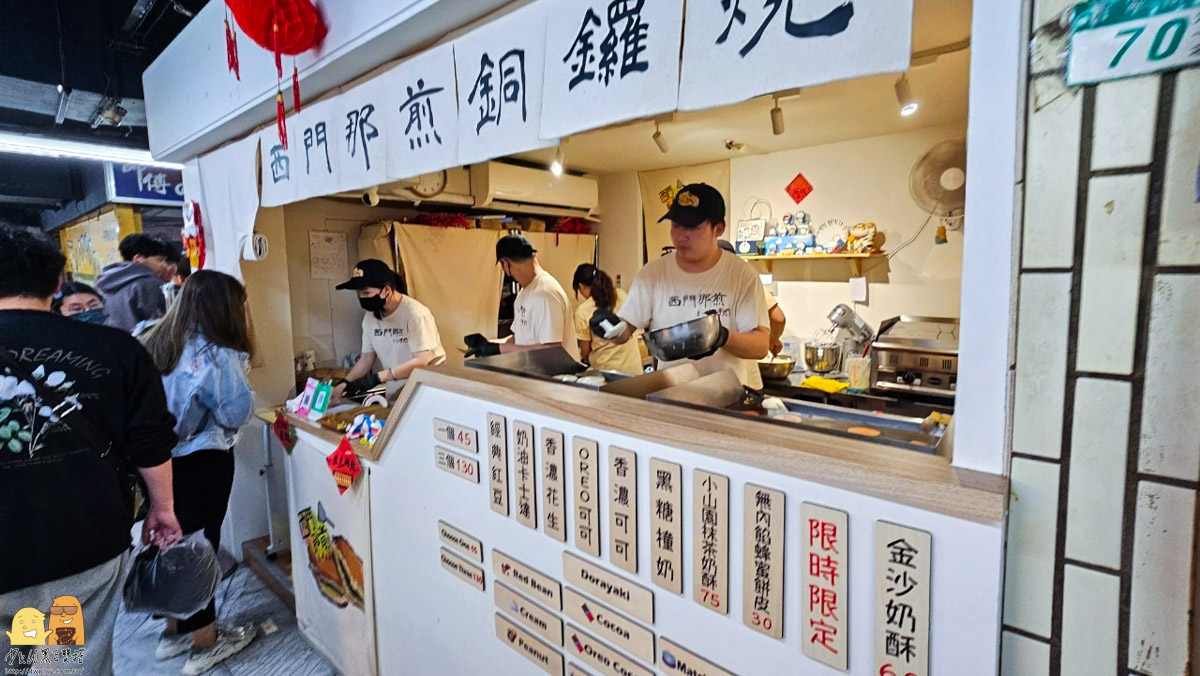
(132, 293)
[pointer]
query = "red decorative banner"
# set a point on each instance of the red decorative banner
(284, 431)
(344, 465)
(799, 188)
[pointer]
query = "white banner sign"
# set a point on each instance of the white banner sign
(278, 174)
(314, 133)
(500, 68)
(362, 133)
(609, 61)
(737, 49)
(422, 114)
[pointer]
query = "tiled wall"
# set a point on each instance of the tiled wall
(1106, 411)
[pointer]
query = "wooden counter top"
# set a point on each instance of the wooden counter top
(917, 479)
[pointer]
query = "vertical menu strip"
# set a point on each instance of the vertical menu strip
(498, 462)
(524, 467)
(554, 499)
(541, 655)
(666, 524)
(622, 508)
(710, 540)
(587, 496)
(902, 573)
(824, 607)
(762, 564)
(456, 435)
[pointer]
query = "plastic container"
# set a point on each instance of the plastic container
(859, 370)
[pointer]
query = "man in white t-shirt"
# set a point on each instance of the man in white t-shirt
(699, 278)
(398, 333)
(542, 312)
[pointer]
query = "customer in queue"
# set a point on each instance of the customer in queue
(598, 291)
(81, 303)
(132, 289)
(202, 348)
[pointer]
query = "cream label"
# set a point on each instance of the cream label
(622, 509)
(587, 496)
(710, 540)
(520, 576)
(472, 575)
(554, 497)
(541, 621)
(605, 659)
(541, 655)
(609, 588)
(524, 469)
(666, 524)
(456, 435)
(498, 463)
(459, 466)
(609, 625)
(460, 542)
(674, 659)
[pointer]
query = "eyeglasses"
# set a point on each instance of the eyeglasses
(64, 610)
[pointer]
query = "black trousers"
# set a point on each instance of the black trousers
(202, 481)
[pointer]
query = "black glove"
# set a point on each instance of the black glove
(722, 338)
(362, 385)
(479, 346)
(605, 324)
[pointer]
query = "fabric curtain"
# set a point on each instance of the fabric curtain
(228, 201)
(561, 254)
(453, 272)
(659, 188)
(375, 241)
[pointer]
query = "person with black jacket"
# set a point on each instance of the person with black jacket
(76, 401)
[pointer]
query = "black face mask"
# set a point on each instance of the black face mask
(373, 304)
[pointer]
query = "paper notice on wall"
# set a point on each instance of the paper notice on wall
(608, 62)
(734, 51)
(328, 256)
(422, 114)
(500, 67)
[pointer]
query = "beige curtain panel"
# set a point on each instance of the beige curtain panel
(659, 187)
(561, 254)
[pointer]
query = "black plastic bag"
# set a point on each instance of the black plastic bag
(177, 581)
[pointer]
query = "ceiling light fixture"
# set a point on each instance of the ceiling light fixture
(660, 140)
(904, 96)
(27, 144)
(556, 167)
(777, 118)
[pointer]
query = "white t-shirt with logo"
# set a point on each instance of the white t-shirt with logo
(400, 335)
(664, 295)
(542, 314)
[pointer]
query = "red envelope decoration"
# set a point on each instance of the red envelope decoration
(284, 431)
(344, 465)
(799, 188)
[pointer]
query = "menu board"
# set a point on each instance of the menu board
(666, 524)
(710, 540)
(902, 562)
(554, 494)
(498, 462)
(524, 469)
(587, 496)
(456, 435)
(622, 508)
(824, 610)
(762, 565)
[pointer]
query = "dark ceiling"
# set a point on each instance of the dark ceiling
(95, 49)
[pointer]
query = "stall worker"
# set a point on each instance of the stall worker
(542, 312)
(774, 312)
(694, 280)
(596, 287)
(398, 333)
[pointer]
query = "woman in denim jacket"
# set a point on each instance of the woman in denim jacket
(202, 347)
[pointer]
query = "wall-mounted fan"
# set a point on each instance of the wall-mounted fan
(938, 182)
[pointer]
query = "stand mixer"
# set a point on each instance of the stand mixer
(849, 332)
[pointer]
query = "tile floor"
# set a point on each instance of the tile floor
(241, 598)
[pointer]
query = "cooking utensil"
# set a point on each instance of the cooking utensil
(822, 357)
(687, 339)
(776, 368)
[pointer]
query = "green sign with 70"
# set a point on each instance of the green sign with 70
(1113, 39)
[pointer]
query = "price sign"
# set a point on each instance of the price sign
(1141, 44)
(463, 468)
(456, 435)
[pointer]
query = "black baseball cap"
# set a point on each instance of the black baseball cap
(372, 273)
(695, 204)
(514, 248)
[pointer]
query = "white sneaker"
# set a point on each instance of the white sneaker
(172, 645)
(230, 641)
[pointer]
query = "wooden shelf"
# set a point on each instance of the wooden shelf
(854, 259)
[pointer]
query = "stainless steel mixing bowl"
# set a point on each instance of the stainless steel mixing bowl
(822, 357)
(688, 339)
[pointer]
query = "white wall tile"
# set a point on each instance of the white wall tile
(1045, 10)
(1091, 602)
(1162, 571)
(1179, 235)
(1170, 437)
(1096, 490)
(1123, 133)
(1051, 174)
(1021, 656)
(1029, 563)
(1112, 272)
(1041, 370)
